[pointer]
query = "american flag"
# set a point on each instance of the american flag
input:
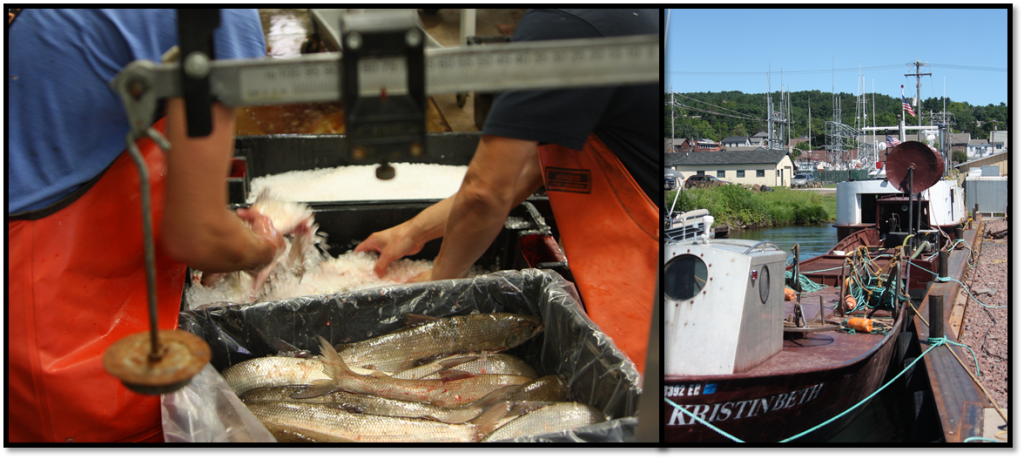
(891, 142)
(906, 106)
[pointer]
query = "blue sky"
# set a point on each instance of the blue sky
(735, 47)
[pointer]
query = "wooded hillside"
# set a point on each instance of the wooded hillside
(733, 113)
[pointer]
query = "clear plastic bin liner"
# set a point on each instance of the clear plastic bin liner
(571, 345)
(208, 411)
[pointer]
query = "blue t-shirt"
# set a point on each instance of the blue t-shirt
(66, 125)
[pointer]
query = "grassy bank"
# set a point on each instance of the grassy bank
(740, 207)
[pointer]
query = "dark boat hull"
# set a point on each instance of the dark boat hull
(772, 407)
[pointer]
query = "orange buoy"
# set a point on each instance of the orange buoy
(851, 303)
(861, 324)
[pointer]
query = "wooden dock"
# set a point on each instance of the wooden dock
(959, 402)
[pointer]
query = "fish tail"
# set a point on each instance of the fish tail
(487, 421)
(334, 365)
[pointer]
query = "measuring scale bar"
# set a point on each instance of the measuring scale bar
(515, 66)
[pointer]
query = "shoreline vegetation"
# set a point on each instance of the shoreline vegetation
(741, 208)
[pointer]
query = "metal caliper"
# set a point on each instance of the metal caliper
(382, 75)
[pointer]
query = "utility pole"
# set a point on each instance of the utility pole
(918, 74)
(672, 114)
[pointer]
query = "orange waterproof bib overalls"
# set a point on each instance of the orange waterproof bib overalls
(77, 284)
(609, 230)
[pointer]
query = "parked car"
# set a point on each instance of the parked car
(802, 180)
(704, 181)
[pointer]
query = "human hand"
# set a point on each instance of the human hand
(392, 244)
(424, 276)
(264, 227)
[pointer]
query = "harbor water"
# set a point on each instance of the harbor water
(814, 240)
(879, 421)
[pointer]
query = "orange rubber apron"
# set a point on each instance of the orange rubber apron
(609, 229)
(77, 284)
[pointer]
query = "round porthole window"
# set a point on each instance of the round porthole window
(764, 284)
(685, 277)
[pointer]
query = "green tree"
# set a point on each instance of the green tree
(739, 130)
(959, 157)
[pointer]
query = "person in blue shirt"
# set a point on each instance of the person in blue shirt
(77, 281)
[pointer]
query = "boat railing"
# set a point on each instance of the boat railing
(762, 245)
(688, 225)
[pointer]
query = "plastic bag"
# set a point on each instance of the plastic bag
(208, 411)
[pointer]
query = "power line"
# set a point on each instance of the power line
(796, 72)
(716, 113)
(970, 67)
(851, 69)
(713, 105)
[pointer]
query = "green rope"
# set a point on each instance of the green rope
(970, 439)
(947, 279)
(860, 293)
(961, 241)
(806, 285)
(977, 370)
(869, 397)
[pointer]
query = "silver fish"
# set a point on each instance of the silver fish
(457, 391)
(288, 218)
(551, 418)
(370, 404)
(272, 371)
(498, 364)
(429, 369)
(550, 388)
(483, 363)
(402, 350)
(321, 422)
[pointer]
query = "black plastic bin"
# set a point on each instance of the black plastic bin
(571, 345)
(257, 156)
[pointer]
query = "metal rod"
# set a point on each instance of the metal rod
(935, 316)
(842, 294)
(147, 240)
(910, 228)
(943, 266)
(821, 308)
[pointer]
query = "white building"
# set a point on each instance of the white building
(755, 167)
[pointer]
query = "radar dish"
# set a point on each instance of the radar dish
(927, 164)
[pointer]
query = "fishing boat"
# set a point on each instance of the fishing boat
(748, 361)
(758, 367)
(877, 215)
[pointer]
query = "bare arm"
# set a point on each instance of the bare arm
(503, 173)
(198, 229)
(408, 238)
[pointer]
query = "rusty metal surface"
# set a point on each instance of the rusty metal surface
(183, 355)
(927, 164)
(952, 387)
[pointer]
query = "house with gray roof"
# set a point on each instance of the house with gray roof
(999, 141)
(758, 166)
(977, 148)
(959, 142)
(759, 138)
(735, 141)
